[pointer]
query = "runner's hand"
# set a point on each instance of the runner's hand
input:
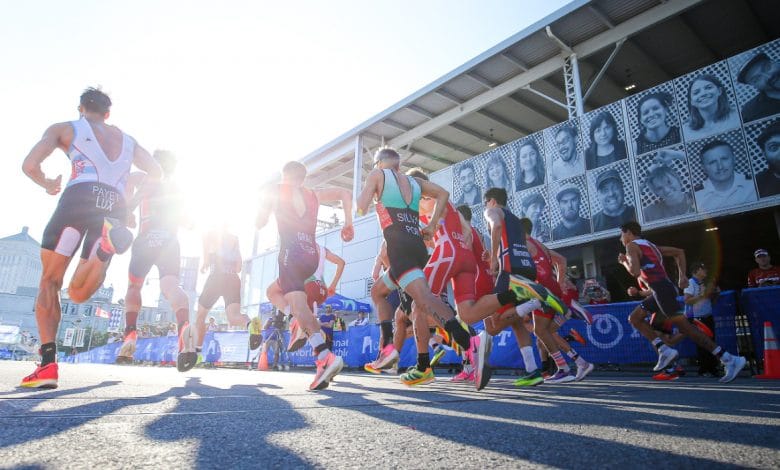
(54, 186)
(683, 282)
(331, 291)
(347, 233)
(633, 291)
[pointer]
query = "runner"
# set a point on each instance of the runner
(397, 199)
(644, 260)
(93, 209)
(222, 259)
(295, 208)
(157, 244)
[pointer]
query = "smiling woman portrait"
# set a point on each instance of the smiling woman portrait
(709, 107)
(653, 113)
(605, 145)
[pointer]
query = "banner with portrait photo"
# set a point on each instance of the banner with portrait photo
(763, 140)
(612, 203)
(564, 151)
(529, 163)
(653, 120)
(665, 187)
(570, 211)
(532, 204)
(604, 137)
(756, 77)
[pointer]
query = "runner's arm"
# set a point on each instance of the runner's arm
(267, 205)
(559, 262)
(53, 138)
(133, 183)
(441, 196)
(370, 191)
(630, 259)
(345, 196)
(340, 263)
(146, 163)
(380, 261)
(496, 223)
(679, 256)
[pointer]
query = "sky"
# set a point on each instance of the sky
(235, 88)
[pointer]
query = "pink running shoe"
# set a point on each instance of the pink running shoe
(466, 375)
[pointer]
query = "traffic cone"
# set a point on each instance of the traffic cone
(262, 361)
(771, 354)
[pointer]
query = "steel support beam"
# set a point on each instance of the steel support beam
(357, 171)
(603, 70)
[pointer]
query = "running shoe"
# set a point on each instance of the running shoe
(115, 237)
(43, 377)
(576, 336)
(297, 337)
(666, 375)
(466, 375)
(438, 353)
(582, 372)
(391, 371)
(127, 350)
(482, 344)
(412, 376)
(388, 357)
(459, 331)
(187, 357)
(530, 379)
(560, 377)
(326, 370)
(733, 366)
(578, 311)
(665, 357)
(255, 333)
(527, 290)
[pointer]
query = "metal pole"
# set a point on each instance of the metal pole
(91, 331)
(575, 72)
(357, 172)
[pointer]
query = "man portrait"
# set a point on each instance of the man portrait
(614, 209)
(724, 186)
(533, 207)
(467, 177)
(572, 224)
(768, 181)
(569, 162)
(763, 74)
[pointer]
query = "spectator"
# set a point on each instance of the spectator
(212, 324)
(708, 104)
(768, 141)
(594, 293)
(327, 319)
(765, 274)
(361, 320)
(530, 166)
(698, 304)
(472, 194)
(614, 210)
(763, 74)
(723, 187)
(572, 224)
(605, 146)
(172, 330)
(570, 162)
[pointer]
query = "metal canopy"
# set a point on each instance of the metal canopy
(519, 86)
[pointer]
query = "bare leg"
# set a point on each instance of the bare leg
(88, 277)
(399, 336)
(47, 305)
(200, 325)
(379, 293)
(234, 315)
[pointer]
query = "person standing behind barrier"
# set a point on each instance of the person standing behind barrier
(327, 321)
(92, 209)
(765, 274)
(698, 302)
(644, 260)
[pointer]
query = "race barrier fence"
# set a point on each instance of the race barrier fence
(610, 339)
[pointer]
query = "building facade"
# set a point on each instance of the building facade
(20, 262)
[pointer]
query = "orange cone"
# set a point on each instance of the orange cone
(771, 354)
(262, 362)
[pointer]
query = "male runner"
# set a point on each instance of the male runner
(156, 245)
(222, 259)
(397, 199)
(295, 208)
(644, 260)
(92, 209)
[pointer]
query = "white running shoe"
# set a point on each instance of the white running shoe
(560, 377)
(483, 343)
(665, 357)
(583, 371)
(732, 368)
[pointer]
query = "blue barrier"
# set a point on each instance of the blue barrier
(610, 339)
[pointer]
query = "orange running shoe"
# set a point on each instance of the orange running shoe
(43, 377)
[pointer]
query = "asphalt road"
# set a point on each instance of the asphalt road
(132, 416)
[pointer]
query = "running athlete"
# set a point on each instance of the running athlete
(157, 244)
(397, 198)
(316, 292)
(93, 209)
(295, 208)
(222, 259)
(644, 260)
(514, 267)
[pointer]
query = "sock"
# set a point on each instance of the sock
(560, 361)
(131, 319)
(577, 358)
(317, 343)
(387, 332)
(573, 354)
(506, 298)
(102, 255)
(423, 362)
(529, 359)
(527, 307)
(182, 317)
(718, 352)
(458, 334)
(48, 353)
(658, 344)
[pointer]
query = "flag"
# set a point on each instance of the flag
(99, 312)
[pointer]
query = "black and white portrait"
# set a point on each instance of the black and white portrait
(564, 150)
(764, 151)
(613, 203)
(604, 136)
(497, 169)
(529, 166)
(756, 77)
(570, 215)
(707, 104)
(466, 189)
(653, 119)
(532, 204)
(665, 184)
(721, 172)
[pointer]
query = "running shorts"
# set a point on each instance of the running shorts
(154, 248)
(225, 285)
(663, 300)
(296, 266)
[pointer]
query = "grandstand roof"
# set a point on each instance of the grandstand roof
(517, 87)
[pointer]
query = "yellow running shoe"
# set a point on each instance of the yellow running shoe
(414, 377)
